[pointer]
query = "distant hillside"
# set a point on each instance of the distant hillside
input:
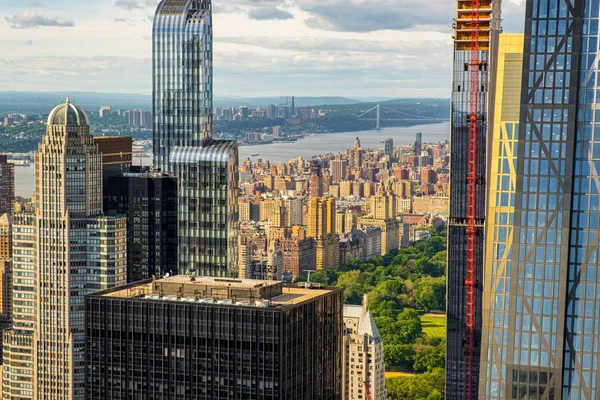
(42, 102)
(265, 101)
(439, 108)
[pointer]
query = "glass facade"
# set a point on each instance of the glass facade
(7, 186)
(182, 76)
(547, 327)
(501, 211)
(155, 344)
(149, 200)
(459, 165)
(207, 215)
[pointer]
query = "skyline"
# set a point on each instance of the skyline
(262, 48)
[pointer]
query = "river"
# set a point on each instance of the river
(306, 148)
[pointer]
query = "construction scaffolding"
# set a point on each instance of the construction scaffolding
(475, 27)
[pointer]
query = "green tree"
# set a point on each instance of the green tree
(410, 325)
(354, 284)
(325, 276)
(419, 387)
(435, 395)
(431, 293)
(428, 358)
(399, 357)
(398, 283)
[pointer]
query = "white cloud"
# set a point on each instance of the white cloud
(358, 52)
(34, 19)
(83, 74)
(135, 4)
(269, 13)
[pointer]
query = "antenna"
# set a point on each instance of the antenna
(308, 284)
(309, 272)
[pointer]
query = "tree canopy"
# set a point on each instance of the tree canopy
(402, 286)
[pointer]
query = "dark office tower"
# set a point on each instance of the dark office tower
(208, 208)
(464, 344)
(7, 186)
(543, 334)
(389, 147)
(184, 338)
(290, 102)
(418, 144)
(117, 156)
(182, 76)
(316, 181)
(149, 201)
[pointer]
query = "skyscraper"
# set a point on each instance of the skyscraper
(383, 215)
(316, 181)
(18, 367)
(338, 168)
(290, 103)
(355, 154)
(186, 338)
(67, 249)
(321, 227)
(149, 201)
(206, 169)
(5, 236)
(476, 27)
(7, 186)
(182, 76)
(501, 211)
(5, 269)
(389, 147)
(208, 190)
(105, 111)
(543, 333)
(418, 144)
(272, 111)
(117, 156)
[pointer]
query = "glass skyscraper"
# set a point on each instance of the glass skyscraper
(182, 76)
(206, 169)
(207, 208)
(489, 28)
(542, 296)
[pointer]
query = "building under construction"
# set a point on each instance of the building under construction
(476, 29)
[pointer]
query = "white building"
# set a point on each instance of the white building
(362, 358)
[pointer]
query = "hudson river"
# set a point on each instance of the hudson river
(306, 148)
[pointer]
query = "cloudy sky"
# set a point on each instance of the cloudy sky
(361, 48)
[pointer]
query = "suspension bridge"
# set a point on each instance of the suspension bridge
(381, 114)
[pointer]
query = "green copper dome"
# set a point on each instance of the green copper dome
(68, 114)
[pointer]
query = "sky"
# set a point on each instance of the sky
(353, 48)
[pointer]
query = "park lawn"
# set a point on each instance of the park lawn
(434, 325)
(396, 374)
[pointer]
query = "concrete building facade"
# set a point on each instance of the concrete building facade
(69, 250)
(363, 355)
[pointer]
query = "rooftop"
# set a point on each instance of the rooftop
(219, 291)
(67, 114)
(366, 324)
